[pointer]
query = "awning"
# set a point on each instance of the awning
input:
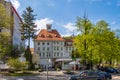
(63, 59)
(74, 62)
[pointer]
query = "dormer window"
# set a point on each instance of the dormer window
(49, 36)
(42, 36)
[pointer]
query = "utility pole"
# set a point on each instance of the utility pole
(47, 69)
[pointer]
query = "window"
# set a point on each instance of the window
(54, 47)
(57, 53)
(43, 48)
(43, 43)
(67, 48)
(38, 48)
(43, 54)
(47, 43)
(38, 43)
(61, 48)
(40, 54)
(48, 48)
(57, 47)
(47, 54)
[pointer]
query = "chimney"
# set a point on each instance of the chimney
(48, 26)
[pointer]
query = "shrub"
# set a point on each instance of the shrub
(58, 69)
(15, 64)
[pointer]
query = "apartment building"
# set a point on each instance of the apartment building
(15, 27)
(51, 47)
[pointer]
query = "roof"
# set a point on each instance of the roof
(16, 13)
(68, 41)
(52, 35)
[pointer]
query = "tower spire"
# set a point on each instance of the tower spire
(85, 14)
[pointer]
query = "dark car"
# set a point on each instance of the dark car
(88, 75)
(110, 70)
(108, 76)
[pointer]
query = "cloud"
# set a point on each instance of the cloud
(15, 3)
(70, 28)
(41, 23)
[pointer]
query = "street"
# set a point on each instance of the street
(52, 75)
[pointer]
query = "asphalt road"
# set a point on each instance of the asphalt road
(52, 75)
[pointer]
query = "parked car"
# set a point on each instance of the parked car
(110, 70)
(88, 75)
(108, 76)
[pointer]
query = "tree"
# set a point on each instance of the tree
(5, 23)
(5, 19)
(28, 57)
(28, 30)
(16, 64)
(96, 43)
(81, 41)
(28, 26)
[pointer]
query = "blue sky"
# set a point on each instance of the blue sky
(62, 13)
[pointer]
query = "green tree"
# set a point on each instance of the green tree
(5, 19)
(28, 30)
(96, 43)
(16, 64)
(81, 41)
(28, 26)
(28, 57)
(5, 37)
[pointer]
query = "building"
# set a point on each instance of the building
(14, 32)
(35, 57)
(52, 48)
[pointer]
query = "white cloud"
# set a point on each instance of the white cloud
(41, 23)
(70, 26)
(15, 3)
(70, 29)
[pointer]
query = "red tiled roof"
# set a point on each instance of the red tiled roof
(52, 35)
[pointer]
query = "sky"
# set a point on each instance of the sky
(62, 14)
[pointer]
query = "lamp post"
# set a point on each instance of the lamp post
(47, 68)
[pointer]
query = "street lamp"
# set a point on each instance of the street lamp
(47, 68)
